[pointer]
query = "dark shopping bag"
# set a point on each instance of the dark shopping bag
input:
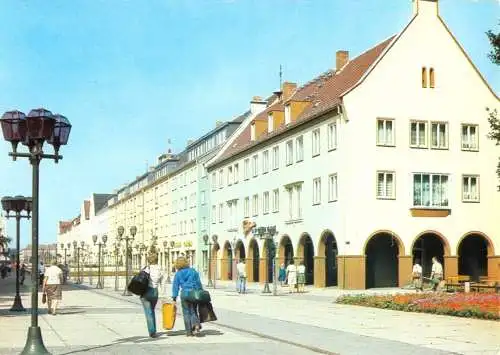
(197, 296)
(44, 298)
(139, 283)
(206, 313)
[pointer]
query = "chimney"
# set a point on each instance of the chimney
(341, 59)
(288, 90)
(257, 105)
(425, 7)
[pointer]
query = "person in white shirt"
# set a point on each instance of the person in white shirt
(416, 275)
(52, 281)
(291, 276)
(150, 298)
(436, 273)
(241, 270)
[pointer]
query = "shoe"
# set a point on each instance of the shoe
(153, 335)
(196, 329)
(189, 334)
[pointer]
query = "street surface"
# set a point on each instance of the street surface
(105, 322)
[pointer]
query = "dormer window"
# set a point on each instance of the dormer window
(252, 131)
(270, 123)
(288, 114)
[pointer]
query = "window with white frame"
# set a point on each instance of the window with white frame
(246, 169)
(221, 212)
(203, 223)
(265, 161)
(470, 137)
(430, 190)
(385, 132)
(214, 214)
(298, 200)
(203, 198)
(255, 205)
(418, 134)
(214, 181)
(439, 135)
(221, 178)
(317, 191)
(276, 200)
(255, 165)
(265, 202)
(276, 157)
(294, 192)
(299, 146)
(289, 152)
(290, 202)
(332, 136)
(470, 188)
(332, 188)
(236, 173)
(316, 142)
(288, 114)
(386, 185)
(246, 207)
(229, 175)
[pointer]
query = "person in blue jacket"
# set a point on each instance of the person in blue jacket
(187, 279)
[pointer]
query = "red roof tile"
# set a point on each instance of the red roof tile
(324, 92)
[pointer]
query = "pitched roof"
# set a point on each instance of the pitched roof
(100, 201)
(323, 92)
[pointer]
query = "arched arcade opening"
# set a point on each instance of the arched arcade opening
(305, 253)
(382, 262)
(473, 251)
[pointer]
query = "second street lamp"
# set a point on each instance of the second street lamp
(17, 204)
(128, 252)
(267, 234)
(32, 131)
(167, 247)
(100, 244)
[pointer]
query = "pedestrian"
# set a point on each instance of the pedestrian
(52, 282)
(150, 298)
(22, 274)
(416, 275)
(41, 272)
(301, 277)
(187, 279)
(241, 269)
(282, 274)
(436, 274)
(291, 276)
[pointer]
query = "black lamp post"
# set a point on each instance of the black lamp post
(39, 126)
(267, 234)
(167, 247)
(77, 249)
(116, 245)
(17, 204)
(100, 244)
(133, 231)
(208, 241)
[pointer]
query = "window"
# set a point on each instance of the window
(424, 77)
(290, 203)
(236, 173)
(265, 162)
(332, 188)
(431, 78)
(276, 157)
(229, 175)
(265, 203)
(332, 136)
(289, 152)
(221, 212)
(470, 137)
(214, 214)
(430, 190)
(315, 142)
(246, 169)
(299, 146)
(255, 165)
(221, 179)
(214, 181)
(246, 207)
(385, 132)
(202, 198)
(439, 135)
(276, 200)
(470, 188)
(255, 205)
(288, 114)
(317, 191)
(298, 192)
(385, 185)
(418, 134)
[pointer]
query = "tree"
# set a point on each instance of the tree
(493, 119)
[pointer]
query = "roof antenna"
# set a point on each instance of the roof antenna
(169, 146)
(280, 92)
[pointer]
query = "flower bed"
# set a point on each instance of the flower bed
(475, 305)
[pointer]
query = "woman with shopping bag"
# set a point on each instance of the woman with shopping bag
(150, 298)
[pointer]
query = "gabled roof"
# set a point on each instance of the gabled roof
(323, 92)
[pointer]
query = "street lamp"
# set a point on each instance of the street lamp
(142, 250)
(167, 247)
(102, 243)
(133, 231)
(209, 242)
(116, 245)
(32, 131)
(267, 234)
(17, 204)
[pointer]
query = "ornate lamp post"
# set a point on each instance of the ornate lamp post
(142, 250)
(267, 234)
(116, 245)
(133, 231)
(208, 241)
(17, 204)
(167, 247)
(101, 243)
(32, 131)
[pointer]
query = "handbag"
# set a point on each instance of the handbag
(139, 283)
(206, 313)
(44, 298)
(197, 296)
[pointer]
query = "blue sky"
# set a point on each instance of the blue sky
(132, 74)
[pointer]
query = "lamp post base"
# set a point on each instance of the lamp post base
(210, 283)
(34, 342)
(266, 288)
(18, 305)
(99, 285)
